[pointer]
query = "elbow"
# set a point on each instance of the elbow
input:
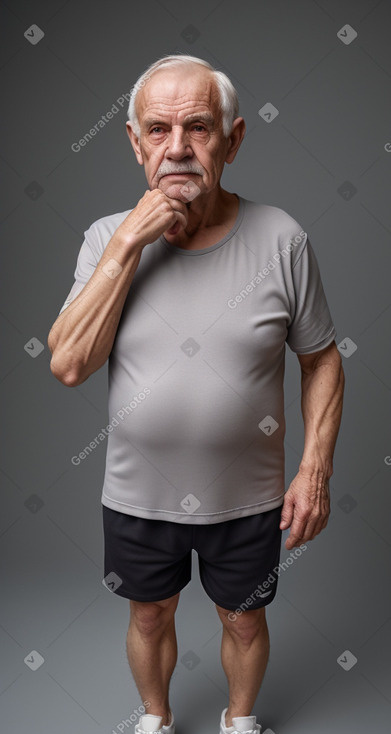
(71, 372)
(62, 366)
(67, 376)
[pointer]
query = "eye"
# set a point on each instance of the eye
(156, 129)
(199, 128)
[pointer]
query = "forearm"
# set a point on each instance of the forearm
(321, 405)
(82, 336)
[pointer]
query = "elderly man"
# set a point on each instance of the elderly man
(192, 295)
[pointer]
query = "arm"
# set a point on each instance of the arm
(306, 506)
(82, 336)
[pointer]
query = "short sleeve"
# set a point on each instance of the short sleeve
(311, 327)
(85, 266)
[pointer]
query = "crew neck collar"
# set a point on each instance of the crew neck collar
(206, 250)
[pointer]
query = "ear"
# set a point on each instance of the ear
(135, 143)
(235, 138)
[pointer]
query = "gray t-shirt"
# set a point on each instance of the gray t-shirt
(196, 371)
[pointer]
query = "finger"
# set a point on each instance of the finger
(312, 528)
(293, 541)
(182, 219)
(322, 517)
(174, 229)
(180, 223)
(298, 527)
(181, 207)
(177, 204)
(180, 212)
(286, 513)
(321, 524)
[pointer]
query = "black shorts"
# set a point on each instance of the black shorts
(150, 560)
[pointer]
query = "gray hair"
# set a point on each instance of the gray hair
(229, 103)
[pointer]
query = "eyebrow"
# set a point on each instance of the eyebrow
(202, 117)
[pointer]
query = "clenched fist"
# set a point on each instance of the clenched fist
(154, 214)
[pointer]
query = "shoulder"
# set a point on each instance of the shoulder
(272, 215)
(278, 225)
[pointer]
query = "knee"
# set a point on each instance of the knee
(151, 618)
(246, 626)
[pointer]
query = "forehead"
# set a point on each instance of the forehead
(176, 91)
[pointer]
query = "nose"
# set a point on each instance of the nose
(178, 145)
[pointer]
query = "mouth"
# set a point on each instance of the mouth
(167, 175)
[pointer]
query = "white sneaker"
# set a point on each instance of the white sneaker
(241, 725)
(151, 724)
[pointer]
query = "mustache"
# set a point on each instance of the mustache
(167, 167)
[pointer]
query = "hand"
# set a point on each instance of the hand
(306, 507)
(154, 214)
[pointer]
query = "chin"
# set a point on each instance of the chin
(174, 190)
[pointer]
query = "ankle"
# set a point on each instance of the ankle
(165, 714)
(228, 716)
(166, 720)
(228, 719)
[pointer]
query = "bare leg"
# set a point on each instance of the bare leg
(152, 652)
(245, 650)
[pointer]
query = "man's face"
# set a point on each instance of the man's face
(181, 136)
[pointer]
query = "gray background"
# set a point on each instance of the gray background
(326, 160)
